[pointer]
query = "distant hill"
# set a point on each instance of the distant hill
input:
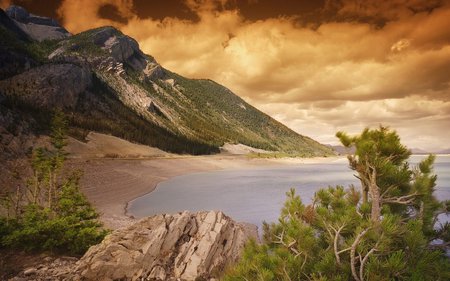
(444, 151)
(342, 150)
(419, 151)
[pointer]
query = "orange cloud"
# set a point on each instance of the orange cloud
(5, 4)
(349, 73)
(81, 15)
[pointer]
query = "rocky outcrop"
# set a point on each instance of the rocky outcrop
(38, 28)
(49, 85)
(184, 246)
(121, 48)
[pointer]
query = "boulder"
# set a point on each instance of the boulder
(183, 246)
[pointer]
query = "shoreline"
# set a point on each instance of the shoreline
(111, 184)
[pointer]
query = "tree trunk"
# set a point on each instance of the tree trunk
(50, 190)
(364, 193)
(375, 194)
(36, 188)
(18, 199)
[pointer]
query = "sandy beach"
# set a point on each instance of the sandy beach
(111, 183)
(134, 170)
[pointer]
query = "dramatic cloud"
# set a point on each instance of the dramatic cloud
(357, 63)
(380, 11)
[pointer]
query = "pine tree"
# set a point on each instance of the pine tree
(383, 231)
(56, 215)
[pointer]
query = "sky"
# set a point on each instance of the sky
(317, 66)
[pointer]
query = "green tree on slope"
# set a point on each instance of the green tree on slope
(53, 214)
(381, 231)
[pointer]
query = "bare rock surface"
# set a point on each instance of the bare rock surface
(184, 246)
(37, 27)
(121, 48)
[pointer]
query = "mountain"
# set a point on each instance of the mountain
(105, 83)
(444, 151)
(418, 151)
(342, 150)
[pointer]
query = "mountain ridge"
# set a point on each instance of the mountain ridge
(105, 83)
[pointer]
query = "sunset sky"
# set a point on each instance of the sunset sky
(316, 66)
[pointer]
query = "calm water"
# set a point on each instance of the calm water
(256, 195)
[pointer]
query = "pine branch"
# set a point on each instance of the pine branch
(335, 242)
(366, 257)
(352, 253)
(288, 246)
(404, 200)
(387, 190)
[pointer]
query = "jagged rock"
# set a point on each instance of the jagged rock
(153, 71)
(49, 85)
(38, 28)
(183, 246)
(121, 47)
(153, 108)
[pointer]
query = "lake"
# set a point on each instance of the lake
(256, 195)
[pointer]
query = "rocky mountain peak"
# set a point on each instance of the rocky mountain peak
(37, 27)
(122, 48)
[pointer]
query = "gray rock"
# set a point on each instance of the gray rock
(18, 13)
(38, 28)
(183, 246)
(122, 48)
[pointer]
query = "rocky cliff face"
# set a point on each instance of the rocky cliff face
(183, 246)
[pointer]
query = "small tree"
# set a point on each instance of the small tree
(56, 215)
(381, 232)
